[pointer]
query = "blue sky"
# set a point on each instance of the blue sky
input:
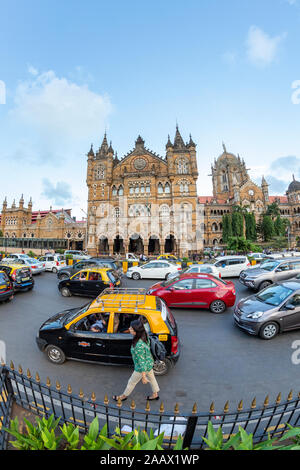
(223, 69)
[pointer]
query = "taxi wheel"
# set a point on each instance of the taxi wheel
(162, 367)
(54, 270)
(65, 292)
(55, 354)
(167, 276)
(217, 306)
(136, 276)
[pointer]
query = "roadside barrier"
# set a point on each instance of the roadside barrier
(45, 399)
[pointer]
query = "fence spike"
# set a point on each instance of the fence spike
(69, 389)
(29, 374)
(226, 407)
(161, 408)
(58, 386)
(93, 396)
(253, 404)
(20, 370)
(48, 382)
(212, 408)
(240, 406)
(12, 365)
(2, 362)
(147, 409)
(37, 377)
(106, 400)
(290, 396)
(194, 410)
(133, 405)
(176, 409)
(119, 403)
(278, 399)
(81, 394)
(266, 402)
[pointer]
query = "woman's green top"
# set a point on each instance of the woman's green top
(142, 357)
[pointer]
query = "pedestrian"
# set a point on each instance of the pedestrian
(143, 363)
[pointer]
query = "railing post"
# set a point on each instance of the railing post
(7, 381)
(190, 431)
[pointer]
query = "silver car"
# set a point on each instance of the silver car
(270, 272)
(274, 310)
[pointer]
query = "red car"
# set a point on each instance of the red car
(196, 291)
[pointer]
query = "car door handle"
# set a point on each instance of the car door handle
(100, 344)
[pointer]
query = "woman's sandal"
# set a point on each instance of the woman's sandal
(116, 398)
(152, 399)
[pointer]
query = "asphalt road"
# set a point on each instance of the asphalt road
(218, 361)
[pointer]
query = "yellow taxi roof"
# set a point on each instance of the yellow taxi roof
(15, 266)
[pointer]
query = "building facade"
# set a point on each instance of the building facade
(22, 227)
(146, 203)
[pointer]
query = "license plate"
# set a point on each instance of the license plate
(25, 279)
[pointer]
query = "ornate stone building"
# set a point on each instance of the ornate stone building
(26, 227)
(143, 202)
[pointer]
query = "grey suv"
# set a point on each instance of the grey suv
(269, 272)
(271, 311)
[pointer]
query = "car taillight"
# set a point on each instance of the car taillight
(57, 263)
(34, 267)
(220, 275)
(111, 285)
(174, 344)
(13, 276)
(178, 269)
(248, 264)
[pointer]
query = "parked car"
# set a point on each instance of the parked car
(198, 268)
(88, 282)
(68, 335)
(153, 270)
(270, 272)
(20, 276)
(65, 272)
(273, 310)
(36, 266)
(15, 256)
(231, 266)
(76, 254)
(168, 257)
(53, 262)
(258, 257)
(6, 287)
(196, 291)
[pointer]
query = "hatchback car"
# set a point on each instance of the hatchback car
(153, 270)
(76, 254)
(20, 276)
(88, 282)
(71, 335)
(6, 287)
(53, 262)
(198, 269)
(231, 266)
(274, 310)
(196, 291)
(270, 272)
(65, 272)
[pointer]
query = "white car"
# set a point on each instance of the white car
(53, 262)
(199, 268)
(153, 270)
(77, 254)
(232, 266)
(15, 256)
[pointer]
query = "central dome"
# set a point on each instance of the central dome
(294, 186)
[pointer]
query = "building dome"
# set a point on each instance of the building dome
(227, 158)
(294, 186)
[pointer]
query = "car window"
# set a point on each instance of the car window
(269, 265)
(184, 284)
(50, 258)
(284, 267)
(295, 300)
(222, 263)
(274, 295)
(204, 284)
(206, 269)
(111, 276)
(295, 265)
(232, 262)
(161, 265)
(192, 270)
(148, 266)
(95, 276)
(3, 278)
(80, 276)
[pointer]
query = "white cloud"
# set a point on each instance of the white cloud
(32, 70)
(262, 49)
(57, 114)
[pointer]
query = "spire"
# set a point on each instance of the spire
(178, 141)
(110, 149)
(104, 147)
(191, 142)
(5, 203)
(139, 142)
(169, 143)
(91, 152)
(14, 204)
(263, 182)
(30, 203)
(224, 147)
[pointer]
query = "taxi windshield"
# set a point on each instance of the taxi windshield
(76, 312)
(3, 278)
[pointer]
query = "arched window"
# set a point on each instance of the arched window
(117, 212)
(99, 172)
(160, 188)
(121, 190)
(167, 188)
(114, 191)
(182, 166)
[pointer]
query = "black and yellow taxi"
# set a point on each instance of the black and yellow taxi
(6, 287)
(99, 331)
(20, 275)
(89, 282)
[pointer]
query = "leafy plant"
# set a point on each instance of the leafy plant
(39, 437)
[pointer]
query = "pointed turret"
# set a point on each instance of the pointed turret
(30, 204)
(191, 142)
(169, 144)
(13, 204)
(21, 202)
(110, 149)
(5, 203)
(91, 152)
(178, 141)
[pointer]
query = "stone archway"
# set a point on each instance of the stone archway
(154, 245)
(103, 245)
(118, 245)
(136, 244)
(170, 244)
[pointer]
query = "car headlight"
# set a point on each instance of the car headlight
(150, 291)
(255, 315)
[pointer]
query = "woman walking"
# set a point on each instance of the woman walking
(143, 363)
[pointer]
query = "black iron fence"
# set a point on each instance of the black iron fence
(45, 399)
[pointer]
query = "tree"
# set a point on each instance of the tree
(267, 228)
(237, 224)
(226, 227)
(250, 226)
(273, 210)
(1, 234)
